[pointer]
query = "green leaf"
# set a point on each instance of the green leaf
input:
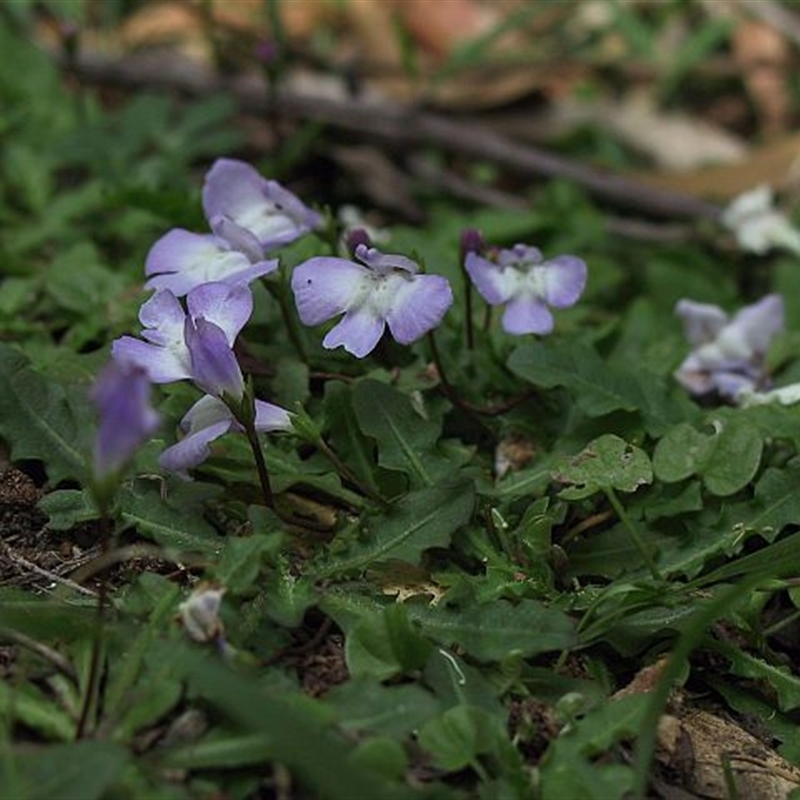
(174, 521)
(243, 558)
(84, 770)
(292, 727)
(726, 459)
(597, 389)
(406, 440)
(420, 520)
(26, 703)
(565, 769)
(495, 631)
(365, 705)
(458, 736)
(385, 645)
(67, 508)
(745, 665)
(48, 620)
(776, 504)
(346, 437)
(39, 420)
(606, 463)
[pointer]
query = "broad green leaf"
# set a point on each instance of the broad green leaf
(495, 631)
(39, 420)
(365, 705)
(174, 521)
(243, 558)
(292, 726)
(382, 755)
(49, 620)
(346, 437)
(85, 770)
(459, 735)
(726, 459)
(67, 508)
(606, 463)
(785, 684)
(597, 389)
(565, 769)
(776, 504)
(406, 441)
(420, 520)
(385, 645)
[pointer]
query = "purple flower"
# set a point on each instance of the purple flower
(235, 193)
(196, 345)
(729, 354)
(121, 394)
(207, 420)
(383, 289)
(181, 260)
(526, 284)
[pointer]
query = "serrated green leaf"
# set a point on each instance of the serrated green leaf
(776, 504)
(785, 684)
(494, 631)
(174, 521)
(420, 520)
(39, 421)
(406, 440)
(67, 507)
(385, 645)
(598, 390)
(606, 463)
(365, 705)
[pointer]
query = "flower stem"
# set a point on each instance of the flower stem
(261, 464)
(633, 533)
(90, 699)
(468, 322)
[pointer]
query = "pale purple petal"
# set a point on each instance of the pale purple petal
(760, 322)
(564, 281)
(496, 284)
(520, 255)
(127, 420)
(162, 365)
(231, 189)
(729, 384)
(273, 214)
(418, 306)
(702, 322)
(384, 262)
(238, 238)
(228, 307)
(358, 332)
(214, 366)
(527, 314)
(208, 419)
(181, 260)
(325, 287)
(162, 316)
(270, 417)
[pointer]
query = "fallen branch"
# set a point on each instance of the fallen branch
(399, 125)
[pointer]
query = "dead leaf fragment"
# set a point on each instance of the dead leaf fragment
(703, 747)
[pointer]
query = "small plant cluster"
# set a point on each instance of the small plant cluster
(398, 514)
(251, 218)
